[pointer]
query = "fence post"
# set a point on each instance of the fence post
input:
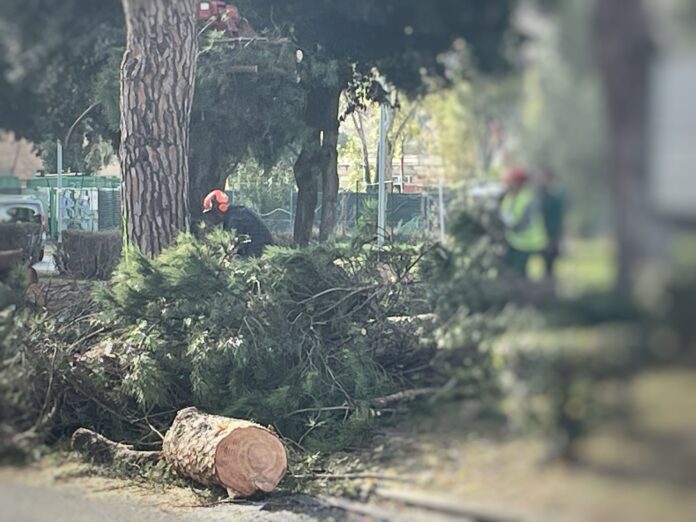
(382, 166)
(59, 191)
(292, 208)
(441, 208)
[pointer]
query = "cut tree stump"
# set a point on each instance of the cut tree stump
(238, 455)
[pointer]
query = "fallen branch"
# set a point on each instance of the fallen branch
(378, 402)
(403, 396)
(349, 476)
(99, 450)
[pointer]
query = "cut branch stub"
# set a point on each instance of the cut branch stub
(238, 455)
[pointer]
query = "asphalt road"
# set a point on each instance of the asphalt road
(21, 503)
(25, 503)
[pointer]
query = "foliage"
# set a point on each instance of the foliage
(277, 340)
(53, 54)
(402, 39)
(89, 255)
(350, 152)
(239, 117)
(467, 273)
(12, 285)
(348, 46)
(302, 340)
(451, 127)
(262, 190)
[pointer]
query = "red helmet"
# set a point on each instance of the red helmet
(515, 175)
(216, 199)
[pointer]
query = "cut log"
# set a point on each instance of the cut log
(238, 455)
(100, 450)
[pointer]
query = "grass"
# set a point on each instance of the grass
(587, 265)
(684, 253)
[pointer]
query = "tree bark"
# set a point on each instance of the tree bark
(330, 181)
(316, 163)
(206, 172)
(307, 170)
(157, 83)
(624, 49)
(238, 455)
(100, 450)
(360, 128)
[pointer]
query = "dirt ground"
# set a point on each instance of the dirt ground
(642, 472)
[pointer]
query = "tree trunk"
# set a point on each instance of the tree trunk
(624, 49)
(206, 171)
(157, 82)
(330, 181)
(307, 170)
(360, 128)
(314, 162)
(238, 455)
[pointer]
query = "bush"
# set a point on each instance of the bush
(89, 255)
(300, 339)
(22, 236)
(291, 339)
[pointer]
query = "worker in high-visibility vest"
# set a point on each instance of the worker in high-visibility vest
(520, 211)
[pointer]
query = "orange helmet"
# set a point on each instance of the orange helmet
(515, 175)
(216, 199)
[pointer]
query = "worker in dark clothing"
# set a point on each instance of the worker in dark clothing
(217, 208)
(553, 210)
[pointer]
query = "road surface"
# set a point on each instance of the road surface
(31, 503)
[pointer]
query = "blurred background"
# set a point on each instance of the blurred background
(548, 147)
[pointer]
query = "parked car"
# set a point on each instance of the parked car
(29, 210)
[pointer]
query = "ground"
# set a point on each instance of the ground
(642, 472)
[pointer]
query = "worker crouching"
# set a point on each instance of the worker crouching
(218, 210)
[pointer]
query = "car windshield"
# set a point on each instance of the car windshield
(19, 213)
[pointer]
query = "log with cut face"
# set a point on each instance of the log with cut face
(238, 455)
(249, 460)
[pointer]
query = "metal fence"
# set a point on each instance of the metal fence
(93, 209)
(406, 214)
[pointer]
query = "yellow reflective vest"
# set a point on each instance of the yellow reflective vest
(524, 222)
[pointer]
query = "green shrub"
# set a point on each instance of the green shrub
(89, 255)
(296, 338)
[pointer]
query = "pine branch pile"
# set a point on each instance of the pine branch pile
(296, 339)
(308, 341)
(318, 343)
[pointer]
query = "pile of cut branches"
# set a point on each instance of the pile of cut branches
(315, 342)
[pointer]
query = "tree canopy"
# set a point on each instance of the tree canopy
(51, 56)
(282, 102)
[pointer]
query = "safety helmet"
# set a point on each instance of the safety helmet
(515, 175)
(217, 199)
